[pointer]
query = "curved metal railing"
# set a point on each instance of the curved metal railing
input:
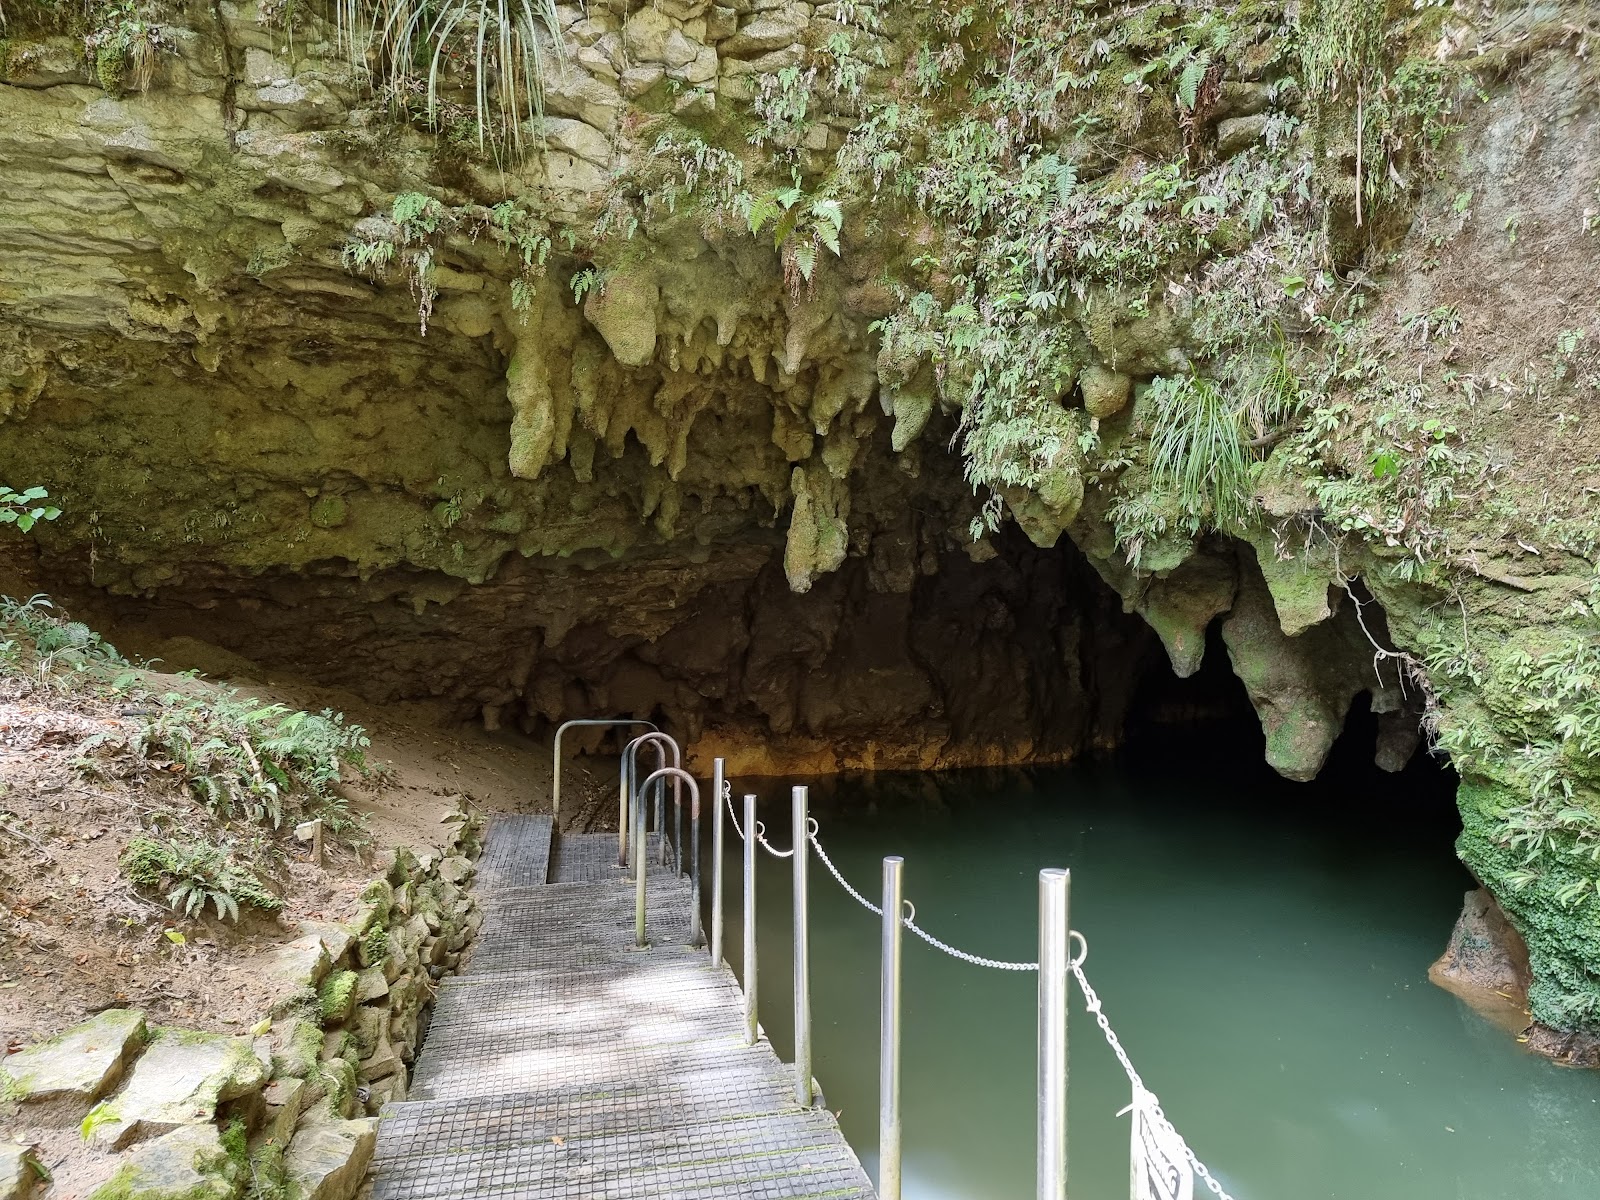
(555, 786)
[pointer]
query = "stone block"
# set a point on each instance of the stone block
(703, 69)
(337, 940)
(327, 1161)
(295, 965)
(646, 33)
(368, 1027)
(186, 1164)
(337, 997)
(285, 1099)
(1239, 133)
(296, 1045)
(384, 1059)
(636, 81)
(81, 1064)
(766, 31)
(391, 1090)
(371, 985)
(679, 51)
(180, 1080)
(596, 63)
(721, 22)
(20, 1172)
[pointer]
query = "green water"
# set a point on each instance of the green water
(1263, 956)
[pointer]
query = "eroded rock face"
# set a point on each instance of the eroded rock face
(698, 491)
(1487, 960)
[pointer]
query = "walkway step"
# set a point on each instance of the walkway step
(566, 1064)
(757, 1158)
(517, 854)
(592, 858)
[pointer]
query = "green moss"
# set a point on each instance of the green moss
(329, 512)
(303, 1045)
(374, 947)
(235, 1143)
(337, 1080)
(1563, 934)
(337, 996)
(404, 868)
(269, 1175)
(110, 67)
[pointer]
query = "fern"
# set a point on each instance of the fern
(1193, 74)
(241, 758)
(192, 875)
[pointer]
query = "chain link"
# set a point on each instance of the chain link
(1091, 1001)
(843, 882)
(727, 795)
(761, 840)
(910, 922)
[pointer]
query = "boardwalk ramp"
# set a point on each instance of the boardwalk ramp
(565, 1064)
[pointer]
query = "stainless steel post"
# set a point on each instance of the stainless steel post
(555, 782)
(624, 810)
(694, 871)
(677, 833)
(889, 1033)
(1051, 1162)
(628, 775)
(639, 867)
(802, 958)
(661, 817)
(717, 768)
(752, 1028)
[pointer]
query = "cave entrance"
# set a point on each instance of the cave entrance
(1261, 946)
(1205, 728)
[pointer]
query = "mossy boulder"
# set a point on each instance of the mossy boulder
(180, 1080)
(189, 1163)
(81, 1064)
(337, 997)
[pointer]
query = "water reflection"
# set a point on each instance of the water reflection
(1263, 955)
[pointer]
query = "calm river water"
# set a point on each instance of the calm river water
(1262, 948)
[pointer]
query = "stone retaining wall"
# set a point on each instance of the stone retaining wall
(118, 1109)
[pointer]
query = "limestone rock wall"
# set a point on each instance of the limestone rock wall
(695, 491)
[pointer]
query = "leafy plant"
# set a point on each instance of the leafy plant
(500, 44)
(23, 509)
(417, 227)
(190, 875)
(243, 758)
(1197, 453)
(123, 47)
(801, 226)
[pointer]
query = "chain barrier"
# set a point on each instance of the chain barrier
(727, 796)
(910, 922)
(761, 830)
(1146, 1106)
(1145, 1101)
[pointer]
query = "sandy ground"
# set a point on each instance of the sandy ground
(76, 937)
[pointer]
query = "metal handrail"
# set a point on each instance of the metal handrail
(640, 867)
(628, 768)
(555, 786)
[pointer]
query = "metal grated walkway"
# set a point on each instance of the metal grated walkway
(567, 1065)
